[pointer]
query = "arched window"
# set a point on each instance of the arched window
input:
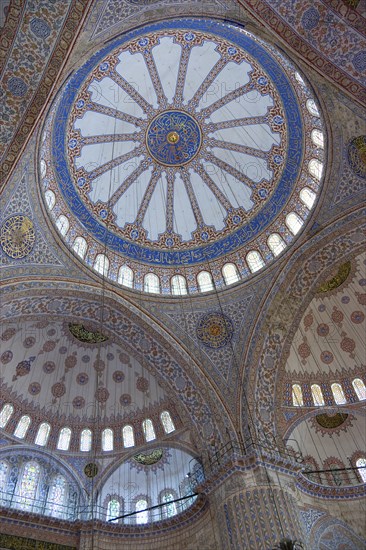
(148, 429)
(62, 224)
(312, 108)
(27, 488)
(85, 440)
(4, 473)
(317, 138)
(22, 427)
(101, 264)
(359, 388)
(107, 440)
(56, 498)
(316, 168)
(307, 196)
(276, 244)
(361, 465)
(294, 222)
(125, 276)
(338, 394)
(80, 246)
(254, 261)
(230, 274)
(50, 199)
(151, 283)
(167, 422)
(43, 434)
(317, 394)
(299, 79)
(128, 437)
(113, 510)
(143, 515)
(64, 439)
(297, 399)
(204, 281)
(5, 414)
(170, 509)
(179, 285)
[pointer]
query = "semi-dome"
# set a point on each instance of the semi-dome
(182, 145)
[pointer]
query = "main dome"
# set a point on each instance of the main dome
(180, 145)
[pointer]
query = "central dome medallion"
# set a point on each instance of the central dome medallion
(173, 138)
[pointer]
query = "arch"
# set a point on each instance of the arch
(276, 244)
(101, 264)
(5, 414)
(26, 491)
(308, 197)
(113, 509)
(64, 439)
(167, 422)
(43, 434)
(125, 276)
(255, 261)
(50, 199)
(142, 516)
(80, 246)
(22, 427)
(230, 273)
(178, 285)
(151, 283)
(294, 222)
(312, 108)
(338, 394)
(86, 438)
(62, 224)
(57, 496)
(204, 281)
(359, 388)
(317, 137)
(297, 399)
(107, 439)
(317, 395)
(316, 168)
(170, 508)
(148, 429)
(128, 436)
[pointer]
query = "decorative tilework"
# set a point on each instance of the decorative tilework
(215, 330)
(17, 236)
(357, 155)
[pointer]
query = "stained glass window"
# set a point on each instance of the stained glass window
(316, 168)
(125, 276)
(294, 222)
(42, 434)
(361, 465)
(307, 196)
(4, 471)
(312, 108)
(143, 515)
(80, 246)
(50, 199)
(128, 437)
(317, 394)
(107, 440)
(317, 138)
(5, 414)
(101, 264)
(276, 244)
(62, 224)
(359, 388)
(151, 283)
(338, 394)
(85, 440)
(297, 399)
(148, 429)
(113, 510)
(179, 285)
(254, 261)
(168, 510)
(57, 496)
(167, 422)
(204, 281)
(64, 439)
(230, 274)
(22, 427)
(27, 490)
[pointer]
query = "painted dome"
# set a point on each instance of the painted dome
(180, 145)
